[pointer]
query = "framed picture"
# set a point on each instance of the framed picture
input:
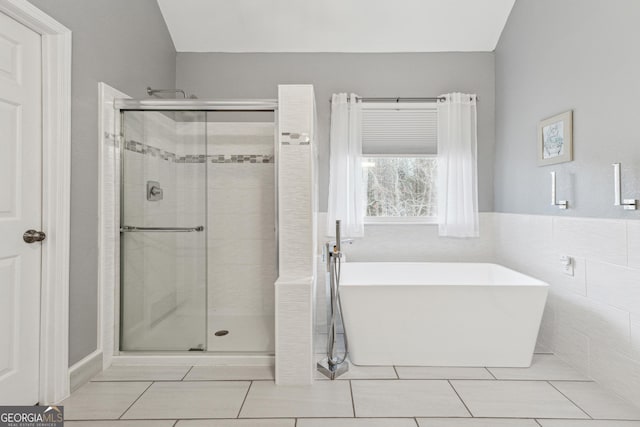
(555, 139)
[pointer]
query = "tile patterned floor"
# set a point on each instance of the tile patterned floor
(549, 394)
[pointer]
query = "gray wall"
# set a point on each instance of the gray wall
(556, 55)
(256, 75)
(127, 45)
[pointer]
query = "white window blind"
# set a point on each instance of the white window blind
(399, 128)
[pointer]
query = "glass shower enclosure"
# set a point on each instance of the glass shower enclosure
(198, 230)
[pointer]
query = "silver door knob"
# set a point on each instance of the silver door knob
(31, 236)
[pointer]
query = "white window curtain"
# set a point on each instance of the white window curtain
(457, 166)
(346, 191)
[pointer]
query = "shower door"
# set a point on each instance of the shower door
(198, 231)
(163, 236)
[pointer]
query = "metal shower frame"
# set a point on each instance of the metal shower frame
(205, 105)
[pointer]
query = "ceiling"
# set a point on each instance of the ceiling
(335, 25)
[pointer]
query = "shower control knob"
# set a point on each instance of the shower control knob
(32, 236)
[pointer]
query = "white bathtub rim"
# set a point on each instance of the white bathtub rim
(370, 278)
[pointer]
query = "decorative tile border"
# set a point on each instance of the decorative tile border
(191, 158)
(139, 147)
(144, 149)
(241, 158)
(294, 138)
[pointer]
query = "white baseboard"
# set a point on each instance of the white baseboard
(87, 368)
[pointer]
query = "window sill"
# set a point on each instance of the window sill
(400, 221)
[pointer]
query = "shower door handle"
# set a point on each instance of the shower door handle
(130, 229)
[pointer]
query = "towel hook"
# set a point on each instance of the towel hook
(561, 204)
(627, 204)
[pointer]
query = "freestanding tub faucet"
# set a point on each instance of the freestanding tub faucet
(334, 366)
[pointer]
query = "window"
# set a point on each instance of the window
(401, 188)
(399, 143)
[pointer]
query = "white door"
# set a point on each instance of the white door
(20, 210)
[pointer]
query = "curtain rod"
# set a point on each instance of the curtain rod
(403, 99)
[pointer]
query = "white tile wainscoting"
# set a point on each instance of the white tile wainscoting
(592, 319)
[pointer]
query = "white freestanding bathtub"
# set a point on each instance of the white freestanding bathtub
(440, 314)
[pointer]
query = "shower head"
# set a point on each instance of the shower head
(152, 92)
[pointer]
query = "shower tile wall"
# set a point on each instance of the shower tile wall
(241, 235)
(150, 264)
